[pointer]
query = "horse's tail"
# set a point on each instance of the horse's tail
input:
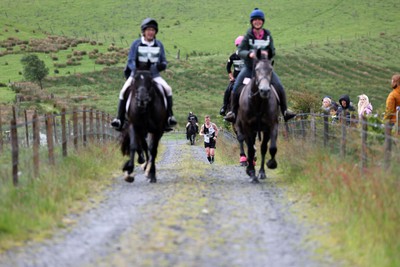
(125, 142)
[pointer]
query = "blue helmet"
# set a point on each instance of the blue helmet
(257, 14)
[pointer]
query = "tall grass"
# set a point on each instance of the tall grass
(37, 206)
(362, 211)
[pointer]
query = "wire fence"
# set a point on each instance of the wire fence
(368, 144)
(29, 141)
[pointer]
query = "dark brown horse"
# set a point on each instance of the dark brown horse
(258, 114)
(146, 121)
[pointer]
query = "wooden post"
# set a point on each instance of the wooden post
(97, 126)
(103, 122)
(313, 128)
(387, 147)
(49, 133)
(398, 121)
(75, 127)
(55, 129)
(344, 133)
(326, 128)
(364, 135)
(26, 128)
(91, 131)
(14, 150)
(64, 139)
(1, 133)
(84, 127)
(36, 143)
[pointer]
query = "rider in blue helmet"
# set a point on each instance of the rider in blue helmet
(257, 38)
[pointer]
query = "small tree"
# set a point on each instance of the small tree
(34, 69)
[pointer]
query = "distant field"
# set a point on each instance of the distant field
(325, 47)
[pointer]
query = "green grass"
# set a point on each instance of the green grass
(361, 210)
(37, 206)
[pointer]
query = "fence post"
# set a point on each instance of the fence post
(103, 121)
(75, 127)
(64, 140)
(26, 128)
(84, 127)
(36, 143)
(387, 146)
(397, 121)
(14, 151)
(91, 131)
(1, 133)
(343, 140)
(97, 125)
(49, 133)
(326, 128)
(55, 129)
(364, 136)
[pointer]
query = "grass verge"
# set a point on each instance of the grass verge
(361, 211)
(36, 207)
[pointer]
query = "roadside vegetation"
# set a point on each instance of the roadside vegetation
(324, 48)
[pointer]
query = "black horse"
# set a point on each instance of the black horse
(258, 113)
(146, 121)
(192, 131)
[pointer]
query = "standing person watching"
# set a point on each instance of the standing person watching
(210, 132)
(257, 38)
(146, 52)
(393, 100)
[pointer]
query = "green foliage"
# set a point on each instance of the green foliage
(34, 69)
(38, 205)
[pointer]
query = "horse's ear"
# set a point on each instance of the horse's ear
(258, 53)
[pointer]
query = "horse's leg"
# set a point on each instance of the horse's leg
(250, 157)
(273, 149)
(243, 158)
(264, 147)
(130, 164)
(153, 147)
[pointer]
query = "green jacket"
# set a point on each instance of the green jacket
(250, 43)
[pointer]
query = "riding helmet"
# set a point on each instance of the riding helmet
(257, 14)
(238, 40)
(149, 22)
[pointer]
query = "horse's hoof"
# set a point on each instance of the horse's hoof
(243, 163)
(262, 176)
(128, 167)
(141, 160)
(254, 180)
(129, 179)
(272, 164)
(251, 173)
(153, 180)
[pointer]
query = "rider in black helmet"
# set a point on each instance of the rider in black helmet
(146, 49)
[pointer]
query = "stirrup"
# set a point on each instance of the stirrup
(230, 117)
(288, 115)
(172, 121)
(116, 124)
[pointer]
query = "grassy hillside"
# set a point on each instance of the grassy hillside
(326, 48)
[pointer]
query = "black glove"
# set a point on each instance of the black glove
(161, 66)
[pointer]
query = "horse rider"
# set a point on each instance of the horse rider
(257, 38)
(144, 52)
(191, 117)
(237, 63)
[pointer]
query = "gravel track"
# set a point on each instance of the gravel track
(196, 214)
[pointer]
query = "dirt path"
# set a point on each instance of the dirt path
(196, 215)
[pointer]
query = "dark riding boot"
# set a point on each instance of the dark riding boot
(171, 119)
(231, 116)
(118, 122)
(287, 115)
